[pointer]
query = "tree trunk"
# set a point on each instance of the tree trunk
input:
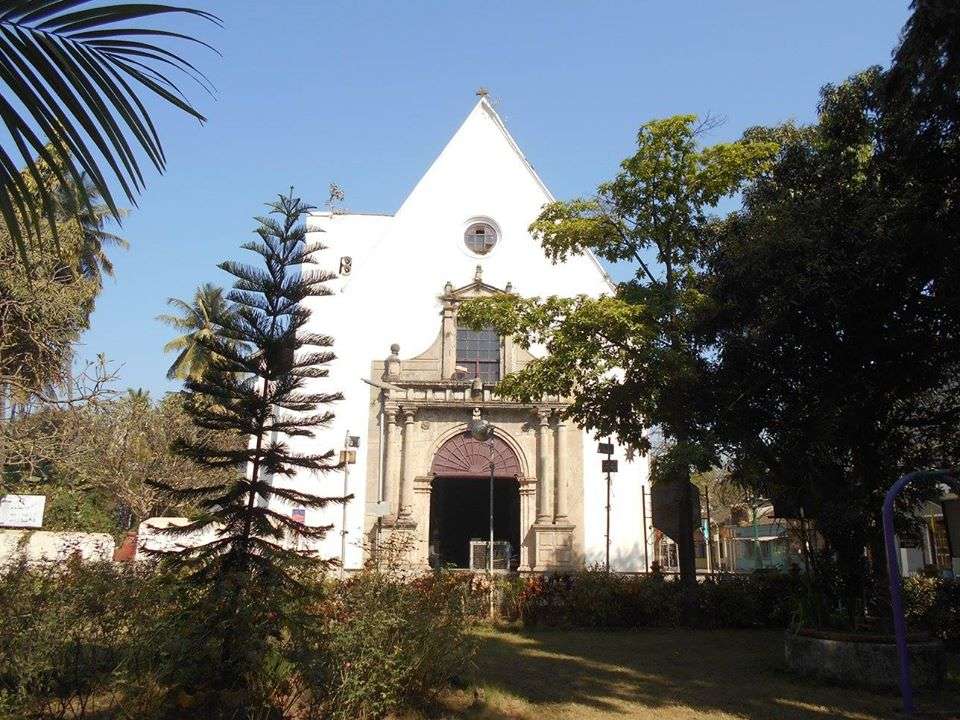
(853, 566)
(880, 577)
(685, 550)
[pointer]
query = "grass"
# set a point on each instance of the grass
(662, 674)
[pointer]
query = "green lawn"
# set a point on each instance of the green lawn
(664, 674)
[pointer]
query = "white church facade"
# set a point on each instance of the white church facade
(412, 379)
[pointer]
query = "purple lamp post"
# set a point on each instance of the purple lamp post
(893, 571)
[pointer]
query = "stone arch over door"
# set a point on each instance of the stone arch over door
(463, 456)
(460, 489)
(461, 429)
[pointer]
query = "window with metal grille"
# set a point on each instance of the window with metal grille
(480, 238)
(479, 352)
(940, 546)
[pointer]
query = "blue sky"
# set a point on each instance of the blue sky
(365, 94)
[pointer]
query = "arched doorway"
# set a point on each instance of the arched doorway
(460, 499)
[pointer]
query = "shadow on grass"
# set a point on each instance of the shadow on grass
(666, 674)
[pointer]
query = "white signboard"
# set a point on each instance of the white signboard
(22, 510)
(378, 509)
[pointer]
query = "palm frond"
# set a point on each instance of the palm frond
(178, 343)
(73, 72)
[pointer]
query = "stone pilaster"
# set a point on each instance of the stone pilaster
(391, 489)
(406, 466)
(448, 357)
(561, 473)
(528, 515)
(543, 497)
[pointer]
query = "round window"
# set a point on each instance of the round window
(480, 238)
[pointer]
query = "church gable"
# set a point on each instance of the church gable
(474, 206)
(481, 155)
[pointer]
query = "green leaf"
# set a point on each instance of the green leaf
(69, 63)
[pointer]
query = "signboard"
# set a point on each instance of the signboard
(299, 515)
(378, 509)
(664, 504)
(608, 466)
(22, 510)
(348, 457)
(605, 448)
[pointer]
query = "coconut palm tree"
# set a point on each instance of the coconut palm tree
(201, 320)
(83, 205)
(73, 75)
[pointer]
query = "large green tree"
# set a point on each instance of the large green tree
(84, 206)
(263, 390)
(72, 75)
(632, 360)
(838, 326)
(95, 459)
(43, 312)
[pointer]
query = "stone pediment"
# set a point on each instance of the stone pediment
(477, 288)
(438, 363)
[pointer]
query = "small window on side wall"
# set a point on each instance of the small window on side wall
(480, 238)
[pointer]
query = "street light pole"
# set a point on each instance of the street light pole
(490, 548)
(609, 466)
(482, 431)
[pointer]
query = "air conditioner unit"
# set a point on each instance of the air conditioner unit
(501, 554)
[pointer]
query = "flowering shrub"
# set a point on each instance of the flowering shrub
(934, 604)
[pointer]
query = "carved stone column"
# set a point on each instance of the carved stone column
(527, 518)
(391, 491)
(543, 510)
(553, 532)
(448, 356)
(561, 472)
(406, 466)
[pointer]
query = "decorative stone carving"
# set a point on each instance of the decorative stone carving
(463, 456)
(424, 437)
(393, 362)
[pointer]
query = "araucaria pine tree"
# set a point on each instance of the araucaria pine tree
(262, 389)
